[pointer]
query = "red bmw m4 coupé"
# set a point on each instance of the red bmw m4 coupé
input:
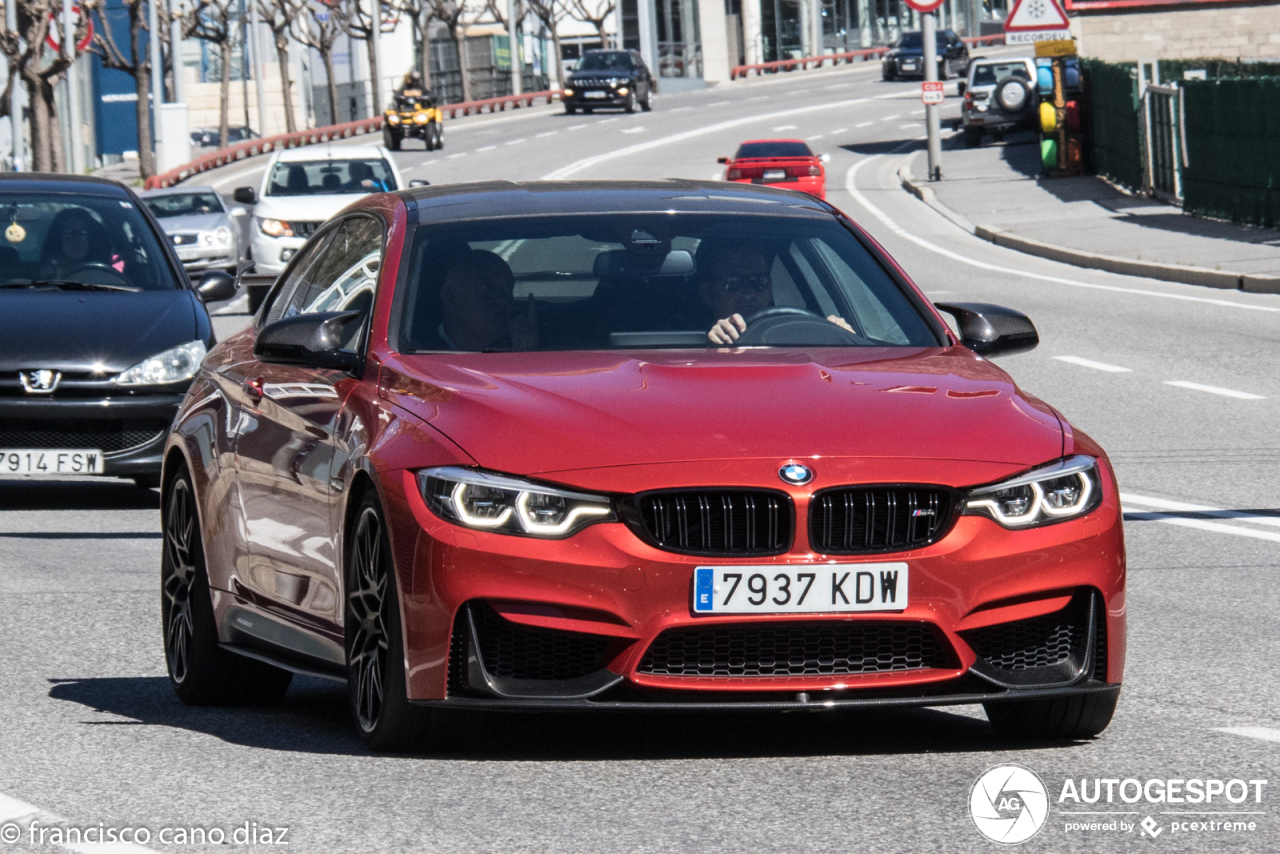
(649, 446)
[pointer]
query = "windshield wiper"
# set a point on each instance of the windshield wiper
(69, 286)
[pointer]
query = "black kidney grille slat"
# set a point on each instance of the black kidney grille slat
(793, 649)
(717, 522)
(866, 520)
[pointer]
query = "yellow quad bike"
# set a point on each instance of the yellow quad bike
(414, 116)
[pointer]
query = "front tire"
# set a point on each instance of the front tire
(630, 106)
(570, 110)
(972, 138)
(1057, 719)
(647, 103)
(201, 672)
(391, 139)
(387, 722)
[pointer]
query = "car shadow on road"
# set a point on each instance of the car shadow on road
(76, 494)
(885, 146)
(314, 718)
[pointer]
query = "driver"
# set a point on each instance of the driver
(735, 285)
(362, 176)
(478, 299)
(74, 240)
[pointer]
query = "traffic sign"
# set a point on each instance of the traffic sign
(1036, 16)
(924, 5)
(53, 38)
(931, 92)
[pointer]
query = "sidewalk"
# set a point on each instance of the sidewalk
(997, 193)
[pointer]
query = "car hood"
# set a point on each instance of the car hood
(72, 331)
(526, 413)
(914, 51)
(303, 208)
(194, 222)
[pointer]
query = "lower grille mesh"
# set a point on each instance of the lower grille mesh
(1037, 642)
(796, 649)
(109, 435)
(512, 651)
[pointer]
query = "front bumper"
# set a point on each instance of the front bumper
(272, 254)
(206, 259)
(602, 598)
(130, 430)
(609, 99)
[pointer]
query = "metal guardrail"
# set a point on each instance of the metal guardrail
(803, 62)
(312, 136)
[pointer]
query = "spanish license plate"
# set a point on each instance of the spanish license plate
(828, 588)
(595, 94)
(775, 174)
(46, 461)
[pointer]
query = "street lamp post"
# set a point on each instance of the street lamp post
(932, 120)
(73, 88)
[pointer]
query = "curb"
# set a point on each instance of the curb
(1250, 282)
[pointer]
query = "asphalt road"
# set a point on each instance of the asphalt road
(1179, 384)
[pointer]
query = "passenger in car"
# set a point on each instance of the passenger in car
(479, 310)
(734, 283)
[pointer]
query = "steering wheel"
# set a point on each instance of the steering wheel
(114, 276)
(786, 326)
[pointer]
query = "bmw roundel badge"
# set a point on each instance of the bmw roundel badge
(796, 473)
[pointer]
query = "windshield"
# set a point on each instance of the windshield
(987, 75)
(637, 281)
(615, 60)
(916, 40)
(184, 204)
(90, 240)
(331, 177)
(772, 149)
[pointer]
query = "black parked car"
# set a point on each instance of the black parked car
(906, 56)
(609, 78)
(100, 329)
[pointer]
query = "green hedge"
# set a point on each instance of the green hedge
(1114, 141)
(1233, 149)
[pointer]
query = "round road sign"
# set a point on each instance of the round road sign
(924, 5)
(54, 37)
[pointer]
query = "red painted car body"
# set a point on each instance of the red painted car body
(279, 455)
(799, 169)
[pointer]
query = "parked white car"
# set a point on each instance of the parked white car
(302, 188)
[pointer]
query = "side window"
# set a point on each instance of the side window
(346, 277)
(282, 304)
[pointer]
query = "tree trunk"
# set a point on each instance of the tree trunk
(460, 48)
(424, 30)
(224, 113)
(375, 84)
(41, 151)
(604, 37)
(282, 56)
(142, 109)
(555, 44)
(327, 58)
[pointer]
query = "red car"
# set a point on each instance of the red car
(481, 450)
(786, 163)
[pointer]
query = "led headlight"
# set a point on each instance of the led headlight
(171, 366)
(568, 93)
(393, 118)
(506, 505)
(623, 90)
(1066, 489)
(421, 118)
(275, 227)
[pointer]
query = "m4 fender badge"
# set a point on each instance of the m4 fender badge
(796, 473)
(40, 382)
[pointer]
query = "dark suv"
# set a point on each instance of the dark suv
(906, 56)
(609, 78)
(100, 330)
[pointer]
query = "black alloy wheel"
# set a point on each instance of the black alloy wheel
(647, 103)
(201, 672)
(375, 658)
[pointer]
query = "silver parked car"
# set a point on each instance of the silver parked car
(203, 230)
(999, 98)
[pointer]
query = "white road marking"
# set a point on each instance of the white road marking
(912, 126)
(891, 118)
(486, 148)
(459, 154)
(816, 136)
(717, 175)
(1203, 525)
(1261, 732)
(785, 127)
(1183, 507)
(679, 109)
(515, 141)
(607, 121)
(719, 103)
(766, 97)
(838, 130)
(893, 226)
(235, 176)
(1097, 366)
(634, 130)
(864, 124)
(21, 814)
(575, 127)
(587, 162)
(548, 133)
(1213, 389)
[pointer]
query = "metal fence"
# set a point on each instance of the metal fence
(1233, 149)
(1115, 140)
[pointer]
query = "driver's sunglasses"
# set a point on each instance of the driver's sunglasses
(743, 284)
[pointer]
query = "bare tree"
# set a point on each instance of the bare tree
(358, 23)
(420, 13)
(316, 27)
(551, 13)
(134, 60)
(279, 15)
(454, 14)
(593, 12)
(216, 21)
(40, 70)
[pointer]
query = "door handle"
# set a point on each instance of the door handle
(255, 388)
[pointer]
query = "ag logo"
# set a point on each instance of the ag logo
(1009, 804)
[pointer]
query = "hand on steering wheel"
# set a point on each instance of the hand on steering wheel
(802, 323)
